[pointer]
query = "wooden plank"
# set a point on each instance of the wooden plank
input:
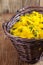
(41, 3)
(30, 3)
(14, 5)
(10, 5)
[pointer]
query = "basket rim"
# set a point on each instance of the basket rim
(9, 35)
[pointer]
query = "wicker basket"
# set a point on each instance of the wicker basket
(29, 50)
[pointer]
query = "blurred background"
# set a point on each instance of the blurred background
(13, 5)
(8, 53)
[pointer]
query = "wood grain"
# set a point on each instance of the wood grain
(12, 6)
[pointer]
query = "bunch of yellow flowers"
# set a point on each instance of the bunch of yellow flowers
(29, 26)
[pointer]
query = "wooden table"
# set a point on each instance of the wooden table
(8, 53)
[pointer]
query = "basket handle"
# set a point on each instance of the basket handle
(24, 8)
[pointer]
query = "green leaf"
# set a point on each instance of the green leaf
(31, 27)
(35, 33)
